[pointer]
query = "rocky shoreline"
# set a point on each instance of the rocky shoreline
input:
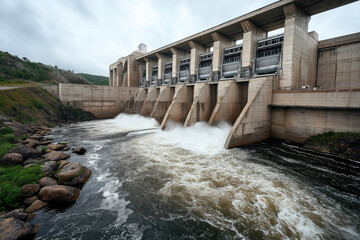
(61, 183)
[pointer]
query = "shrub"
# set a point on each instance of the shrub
(4, 148)
(9, 138)
(12, 179)
(6, 130)
(10, 196)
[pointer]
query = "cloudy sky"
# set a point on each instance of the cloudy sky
(88, 35)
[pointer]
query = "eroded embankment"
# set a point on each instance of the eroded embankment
(340, 143)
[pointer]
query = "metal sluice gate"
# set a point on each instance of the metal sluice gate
(205, 64)
(154, 76)
(167, 73)
(184, 70)
(268, 55)
(231, 64)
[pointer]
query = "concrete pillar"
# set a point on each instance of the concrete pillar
(297, 55)
(150, 63)
(162, 60)
(201, 107)
(141, 68)
(231, 99)
(176, 57)
(196, 50)
(116, 77)
(139, 99)
(111, 77)
(220, 43)
(132, 71)
(252, 34)
(162, 103)
(149, 101)
(254, 122)
(180, 105)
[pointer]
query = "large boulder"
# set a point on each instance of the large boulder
(80, 180)
(62, 164)
(11, 159)
(29, 190)
(32, 142)
(36, 137)
(49, 168)
(31, 160)
(59, 193)
(55, 156)
(17, 213)
(36, 205)
(46, 181)
(56, 147)
(69, 172)
(26, 152)
(13, 229)
(79, 150)
(28, 201)
(45, 142)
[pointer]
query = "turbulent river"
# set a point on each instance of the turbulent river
(182, 184)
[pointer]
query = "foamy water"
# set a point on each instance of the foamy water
(153, 181)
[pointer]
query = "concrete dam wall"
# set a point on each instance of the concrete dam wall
(289, 86)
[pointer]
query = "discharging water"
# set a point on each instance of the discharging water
(182, 184)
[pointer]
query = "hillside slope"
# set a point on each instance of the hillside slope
(95, 79)
(16, 70)
(22, 108)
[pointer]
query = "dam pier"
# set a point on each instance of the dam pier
(288, 86)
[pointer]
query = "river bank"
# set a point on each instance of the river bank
(342, 144)
(35, 172)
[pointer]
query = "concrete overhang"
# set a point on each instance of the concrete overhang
(333, 42)
(268, 18)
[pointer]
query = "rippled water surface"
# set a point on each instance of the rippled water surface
(182, 184)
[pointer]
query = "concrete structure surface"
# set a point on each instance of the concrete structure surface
(102, 101)
(290, 86)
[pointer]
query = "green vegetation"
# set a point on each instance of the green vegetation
(6, 140)
(26, 104)
(20, 70)
(16, 71)
(95, 79)
(340, 143)
(329, 137)
(43, 149)
(11, 181)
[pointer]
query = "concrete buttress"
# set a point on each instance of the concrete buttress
(150, 101)
(162, 103)
(253, 124)
(139, 99)
(201, 107)
(231, 99)
(180, 105)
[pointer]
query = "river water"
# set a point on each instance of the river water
(182, 184)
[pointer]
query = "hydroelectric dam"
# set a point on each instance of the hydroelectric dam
(288, 86)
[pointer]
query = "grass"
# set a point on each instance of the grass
(329, 137)
(6, 140)
(11, 181)
(43, 149)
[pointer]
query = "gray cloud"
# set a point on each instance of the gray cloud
(88, 35)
